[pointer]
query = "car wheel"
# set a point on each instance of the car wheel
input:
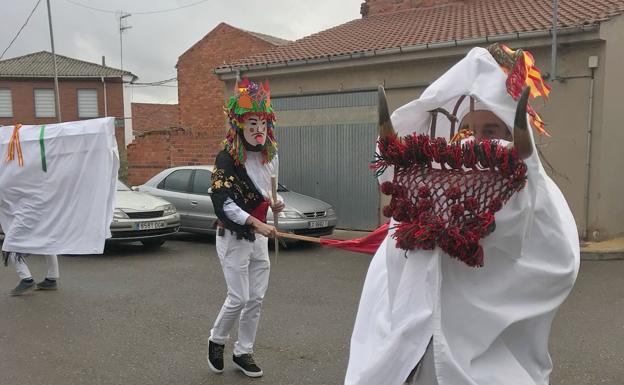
(153, 242)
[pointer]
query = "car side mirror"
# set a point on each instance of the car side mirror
(134, 188)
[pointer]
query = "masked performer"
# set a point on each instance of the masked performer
(241, 195)
(482, 247)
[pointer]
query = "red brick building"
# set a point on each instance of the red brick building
(195, 136)
(86, 90)
(147, 117)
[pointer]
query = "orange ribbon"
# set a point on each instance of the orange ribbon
(461, 135)
(15, 146)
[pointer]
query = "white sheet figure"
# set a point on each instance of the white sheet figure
(68, 208)
(488, 325)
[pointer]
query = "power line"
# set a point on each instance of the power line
(154, 85)
(20, 30)
(158, 82)
(138, 12)
(92, 8)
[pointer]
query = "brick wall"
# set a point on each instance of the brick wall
(23, 95)
(149, 116)
(200, 92)
(375, 7)
(155, 151)
(200, 98)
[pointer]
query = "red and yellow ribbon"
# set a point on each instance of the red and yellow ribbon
(461, 135)
(519, 66)
(15, 146)
(531, 74)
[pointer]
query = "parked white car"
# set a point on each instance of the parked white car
(142, 217)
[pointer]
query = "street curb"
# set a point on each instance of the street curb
(602, 255)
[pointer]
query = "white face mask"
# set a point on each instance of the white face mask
(255, 130)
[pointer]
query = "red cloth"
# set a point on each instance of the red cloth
(260, 212)
(368, 244)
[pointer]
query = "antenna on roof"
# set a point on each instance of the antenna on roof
(122, 27)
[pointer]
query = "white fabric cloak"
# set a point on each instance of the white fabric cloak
(489, 325)
(69, 208)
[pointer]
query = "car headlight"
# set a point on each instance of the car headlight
(120, 214)
(168, 209)
(289, 214)
(330, 212)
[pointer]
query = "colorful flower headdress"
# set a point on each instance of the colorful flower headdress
(249, 99)
(521, 72)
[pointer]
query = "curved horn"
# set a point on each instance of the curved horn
(385, 124)
(521, 136)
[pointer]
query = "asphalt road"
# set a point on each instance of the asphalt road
(140, 317)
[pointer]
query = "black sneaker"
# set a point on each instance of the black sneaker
(215, 356)
(47, 284)
(247, 365)
(24, 286)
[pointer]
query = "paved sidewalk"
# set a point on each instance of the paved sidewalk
(606, 250)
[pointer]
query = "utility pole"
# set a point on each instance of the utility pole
(56, 85)
(122, 27)
(126, 121)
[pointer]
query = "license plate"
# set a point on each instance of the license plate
(151, 225)
(318, 224)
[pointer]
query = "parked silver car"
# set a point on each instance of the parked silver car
(142, 217)
(188, 188)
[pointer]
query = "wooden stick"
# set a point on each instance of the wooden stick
(275, 215)
(298, 237)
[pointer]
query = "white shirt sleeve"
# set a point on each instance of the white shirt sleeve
(235, 213)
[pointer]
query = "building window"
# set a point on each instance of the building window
(44, 103)
(87, 104)
(6, 103)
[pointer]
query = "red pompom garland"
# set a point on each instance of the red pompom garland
(446, 195)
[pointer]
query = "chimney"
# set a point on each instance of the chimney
(103, 61)
(364, 9)
(376, 7)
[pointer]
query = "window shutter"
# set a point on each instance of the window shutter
(6, 103)
(87, 104)
(44, 103)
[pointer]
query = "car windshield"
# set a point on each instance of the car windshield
(122, 187)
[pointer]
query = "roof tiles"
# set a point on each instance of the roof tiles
(41, 64)
(455, 21)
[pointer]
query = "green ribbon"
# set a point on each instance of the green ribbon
(44, 165)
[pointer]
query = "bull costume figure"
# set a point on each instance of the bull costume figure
(482, 247)
(241, 195)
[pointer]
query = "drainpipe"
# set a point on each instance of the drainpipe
(593, 64)
(553, 50)
(105, 100)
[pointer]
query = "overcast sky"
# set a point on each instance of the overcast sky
(152, 46)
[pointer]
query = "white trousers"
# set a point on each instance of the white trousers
(24, 272)
(246, 269)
